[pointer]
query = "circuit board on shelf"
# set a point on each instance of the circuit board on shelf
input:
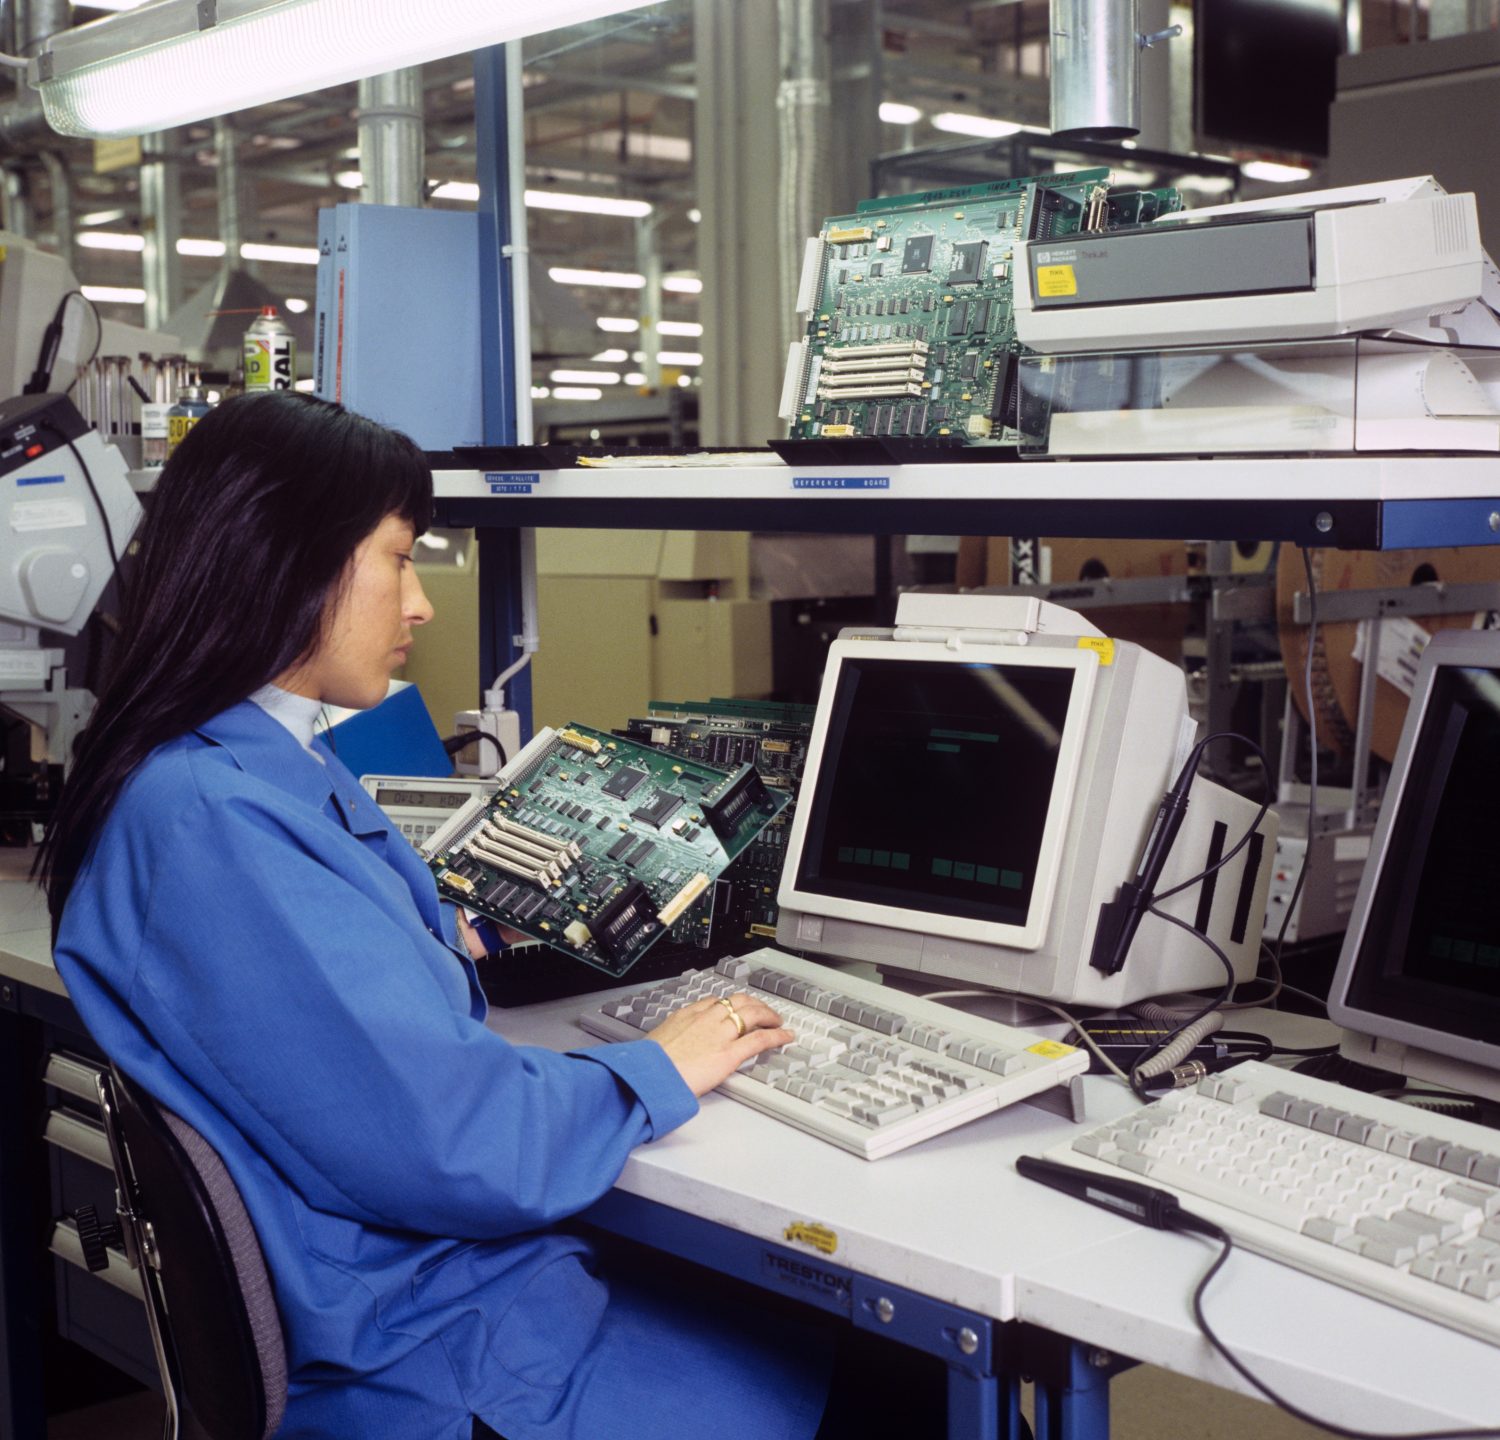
(598, 845)
(772, 737)
(911, 328)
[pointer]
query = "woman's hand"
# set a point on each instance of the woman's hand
(704, 1040)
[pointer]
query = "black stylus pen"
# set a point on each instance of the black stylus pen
(1145, 1204)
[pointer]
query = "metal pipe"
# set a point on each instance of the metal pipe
(392, 149)
(648, 262)
(161, 210)
(804, 102)
(1095, 69)
(227, 151)
(60, 183)
(518, 253)
(38, 20)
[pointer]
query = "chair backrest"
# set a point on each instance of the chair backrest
(221, 1321)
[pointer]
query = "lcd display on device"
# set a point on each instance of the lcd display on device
(1430, 953)
(935, 786)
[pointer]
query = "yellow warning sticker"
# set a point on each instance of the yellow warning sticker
(820, 1237)
(1053, 281)
(1101, 645)
(1051, 1049)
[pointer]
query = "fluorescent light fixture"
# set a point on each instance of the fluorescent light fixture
(577, 392)
(178, 61)
(684, 381)
(119, 294)
(210, 249)
(101, 217)
(112, 4)
(611, 279)
(679, 357)
(1276, 174)
(349, 179)
(296, 305)
(584, 377)
(635, 378)
(894, 114)
(609, 357)
(540, 392)
(284, 254)
(587, 204)
(980, 126)
(1206, 184)
(307, 387)
(695, 215)
(618, 324)
(110, 240)
(683, 284)
(679, 327)
(457, 190)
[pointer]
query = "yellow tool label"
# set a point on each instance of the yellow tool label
(1053, 281)
(1051, 1049)
(804, 1232)
(1101, 645)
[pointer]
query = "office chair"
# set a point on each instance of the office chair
(185, 1228)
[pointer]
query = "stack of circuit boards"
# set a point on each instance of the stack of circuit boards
(910, 330)
(599, 845)
(773, 738)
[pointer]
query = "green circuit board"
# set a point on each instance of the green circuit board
(912, 331)
(599, 845)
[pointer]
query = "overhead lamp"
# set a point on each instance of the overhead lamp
(110, 240)
(679, 327)
(209, 249)
(174, 62)
(296, 305)
(283, 254)
(457, 190)
(577, 392)
(1275, 174)
(349, 179)
(610, 357)
(683, 284)
(679, 357)
(584, 377)
(896, 114)
(610, 279)
(618, 324)
(118, 294)
(979, 126)
(635, 378)
(588, 204)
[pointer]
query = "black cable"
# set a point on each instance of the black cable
(98, 338)
(1212, 1231)
(454, 743)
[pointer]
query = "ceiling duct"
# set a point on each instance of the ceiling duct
(1096, 69)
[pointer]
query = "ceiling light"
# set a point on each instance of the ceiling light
(296, 305)
(587, 204)
(980, 126)
(683, 284)
(684, 380)
(112, 4)
(457, 190)
(679, 327)
(349, 179)
(679, 357)
(894, 114)
(609, 357)
(695, 215)
(101, 217)
(110, 240)
(635, 378)
(119, 294)
(307, 387)
(1274, 173)
(177, 61)
(584, 377)
(285, 254)
(577, 392)
(212, 249)
(612, 279)
(1206, 184)
(539, 392)
(618, 324)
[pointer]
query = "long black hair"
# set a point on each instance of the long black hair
(249, 532)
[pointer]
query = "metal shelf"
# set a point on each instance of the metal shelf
(1356, 502)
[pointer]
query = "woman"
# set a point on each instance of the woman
(244, 934)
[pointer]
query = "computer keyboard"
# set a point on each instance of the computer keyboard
(872, 1070)
(1398, 1203)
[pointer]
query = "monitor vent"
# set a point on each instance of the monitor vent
(1450, 226)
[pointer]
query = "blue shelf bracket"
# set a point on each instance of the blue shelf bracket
(1071, 1383)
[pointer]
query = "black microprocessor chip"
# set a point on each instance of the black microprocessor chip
(659, 809)
(968, 261)
(917, 257)
(624, 783)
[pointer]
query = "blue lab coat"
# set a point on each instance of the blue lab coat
(253, 942)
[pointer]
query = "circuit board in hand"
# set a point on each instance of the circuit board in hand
(772, 737)
(598, 845)
(911, 329)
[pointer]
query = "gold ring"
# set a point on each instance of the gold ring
(739, 1020)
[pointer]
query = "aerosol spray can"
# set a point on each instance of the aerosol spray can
(270, 353)
(190, 408)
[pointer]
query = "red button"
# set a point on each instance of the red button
(32, 451)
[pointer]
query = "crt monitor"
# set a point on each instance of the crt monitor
(1417, 986)
(981, 780)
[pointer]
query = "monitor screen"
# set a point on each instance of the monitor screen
(1429, 950)
(935, 785)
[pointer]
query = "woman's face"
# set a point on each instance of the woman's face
(369, 632)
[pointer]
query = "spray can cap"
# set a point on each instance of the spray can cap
(268, 310)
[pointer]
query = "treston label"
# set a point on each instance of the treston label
(1054, 281)
(808, 1281)
(1101, 645)
(820, 1237)
(1051, 1049)
(841, 482)
(511, 482)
